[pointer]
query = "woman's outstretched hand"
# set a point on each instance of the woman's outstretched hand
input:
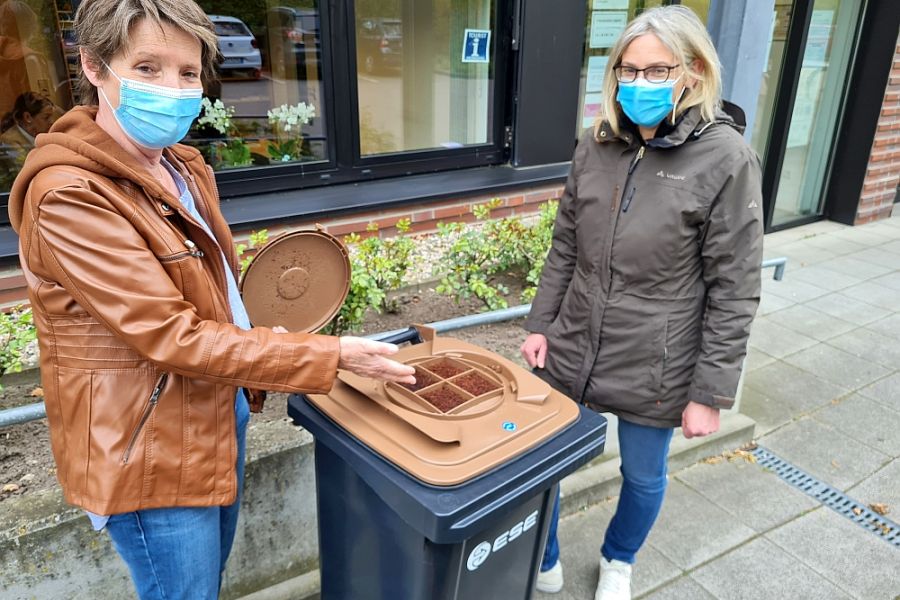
(368, 358)
(534, 350)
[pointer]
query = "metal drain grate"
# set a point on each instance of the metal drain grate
(835, 499)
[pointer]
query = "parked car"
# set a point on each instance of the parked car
(239, 48)
(294, 38)
(379, 44)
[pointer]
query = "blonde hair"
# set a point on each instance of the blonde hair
(103, 30)
(679, 30)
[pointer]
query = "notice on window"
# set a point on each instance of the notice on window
(606, 25)
(591, 109)
(818, 39)
(476, 45)
(596, 69)
(610, 4)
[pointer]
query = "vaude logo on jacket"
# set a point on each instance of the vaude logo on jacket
(665, 175)
(482, 551)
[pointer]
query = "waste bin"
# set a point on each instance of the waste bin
(441, 496)
(437, 491)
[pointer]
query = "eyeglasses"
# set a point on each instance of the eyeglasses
(654, 74)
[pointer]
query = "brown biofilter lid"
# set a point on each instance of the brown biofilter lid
(469, 411)
(298, 280)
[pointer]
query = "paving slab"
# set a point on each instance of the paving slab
(796, 389)
(857, 268)
(777, 340)
(759, 570)
(811, 322)
(847, 308)
(833, 244)
(839, 367)
(888, 326)
(863, 565)
(769, 414)
(892, 246)
(692, 530)
(860, 235)
(825, 452)
(769, 303)
(756, 358)
(793, 289)
(872, 293)
(878, 256)
(800, 254)
(681, 588)
(865, 421)
(867, 343)
(881, 488)
(755, 496)
(820, 275)
(886, 391)
(891, 279)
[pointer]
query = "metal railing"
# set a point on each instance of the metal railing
(32, 412)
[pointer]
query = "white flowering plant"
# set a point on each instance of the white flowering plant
(234, 151)
(287, 122)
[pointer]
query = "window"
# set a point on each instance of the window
(428, 91)
(307, 96)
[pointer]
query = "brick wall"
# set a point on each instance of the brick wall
(424, 217)
(883, 175)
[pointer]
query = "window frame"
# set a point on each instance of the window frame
(344, 163)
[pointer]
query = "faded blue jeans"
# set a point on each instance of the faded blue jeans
(175, 553)
(644, 452)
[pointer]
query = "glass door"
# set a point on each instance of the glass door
(815, 115)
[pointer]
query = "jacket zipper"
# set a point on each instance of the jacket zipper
(637, 158)
(154, 400)
(192, 250)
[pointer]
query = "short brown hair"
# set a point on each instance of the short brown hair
(102, 28)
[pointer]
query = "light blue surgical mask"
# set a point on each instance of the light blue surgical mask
(154, 116)
(645, 103)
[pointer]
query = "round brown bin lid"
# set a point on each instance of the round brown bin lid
(299, 280)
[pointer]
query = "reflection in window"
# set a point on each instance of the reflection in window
(424, 74)
(267, 106)
(34, 83)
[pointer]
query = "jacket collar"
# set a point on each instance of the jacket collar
(689, 125)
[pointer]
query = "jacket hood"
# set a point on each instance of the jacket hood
(689, 125)
(75, 140)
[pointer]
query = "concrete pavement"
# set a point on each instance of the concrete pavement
(823, 387)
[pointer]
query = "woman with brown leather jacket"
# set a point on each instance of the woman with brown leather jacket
(652, 281)
(145, 343)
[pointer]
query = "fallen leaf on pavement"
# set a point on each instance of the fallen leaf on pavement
(880, 508)
(835, 464)
(712, 460)
(10, 488)
(38, 392)
(857, 511)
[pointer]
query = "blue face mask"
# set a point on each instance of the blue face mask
(154, 116)
(645, 103)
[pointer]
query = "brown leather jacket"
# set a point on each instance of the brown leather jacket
(139, 359)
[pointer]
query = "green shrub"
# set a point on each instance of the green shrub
(377, 266)
(478, 255)
(16, 333)
(256, 241)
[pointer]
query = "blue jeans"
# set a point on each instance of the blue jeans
(180, 552)
(644, 452)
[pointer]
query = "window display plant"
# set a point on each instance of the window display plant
(233, 151)
(286, 122)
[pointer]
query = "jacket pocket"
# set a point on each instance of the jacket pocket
(661, 357)
(145, 416)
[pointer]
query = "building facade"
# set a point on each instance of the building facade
(346, 112)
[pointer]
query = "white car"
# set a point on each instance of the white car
(239, 48)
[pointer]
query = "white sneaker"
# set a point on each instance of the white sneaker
(615, 580)
(551, 580)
